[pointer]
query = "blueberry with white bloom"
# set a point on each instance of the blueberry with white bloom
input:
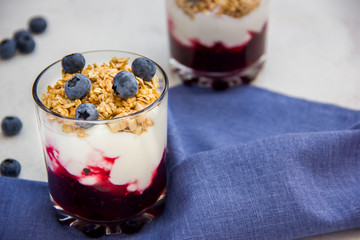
(73, 63)
(143, 68)
(77, 87)
(86, 111)
(125, 84)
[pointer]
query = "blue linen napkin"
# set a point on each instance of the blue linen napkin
(245, 163)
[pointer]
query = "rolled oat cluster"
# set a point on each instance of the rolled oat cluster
(233, 8)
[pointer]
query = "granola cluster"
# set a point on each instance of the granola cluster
(233, 8)
(102, 96)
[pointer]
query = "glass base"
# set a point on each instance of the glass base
(216, 80)
(96, 229)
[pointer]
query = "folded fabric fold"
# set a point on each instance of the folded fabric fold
(282, 187)
(243, 164)
(201, 120)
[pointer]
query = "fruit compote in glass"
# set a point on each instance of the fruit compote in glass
(217, 43)
(104, 143)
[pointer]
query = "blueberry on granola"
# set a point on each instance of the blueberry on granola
(86, 111)
(11, 125)
(125, 84)
(37, 25)
(10, 168)
(7, 48)
(73, 63)
(143, 68)
(77, 87)
(25, 43)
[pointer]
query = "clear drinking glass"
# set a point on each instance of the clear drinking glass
(217, 43)
(105, 180)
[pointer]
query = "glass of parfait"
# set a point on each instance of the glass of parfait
(103, 129)
(217, 43)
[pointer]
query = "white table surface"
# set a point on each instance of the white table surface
(313, 53)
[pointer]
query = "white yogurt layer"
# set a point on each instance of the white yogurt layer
(209, 27)
(137, 156)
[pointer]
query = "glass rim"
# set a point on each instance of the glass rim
(99, 121)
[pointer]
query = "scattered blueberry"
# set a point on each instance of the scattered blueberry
(11, 125)
(77, 87)
(25, 43)
(143, 68)
(7, 48)
(19, 33)
(10, 168)
(86, 111)
(73, 63)
(37, 25)
(125, 84)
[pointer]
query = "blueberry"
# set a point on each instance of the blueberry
(37, 25)
(19, 33)
(7, 48)
(86, 111)
(77, 87)
(143, 68)
(73, 63)
(11, 125)
(25, 43)
(125, 84)
(10, 168)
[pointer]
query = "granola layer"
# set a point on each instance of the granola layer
(233, 8)
(102, 96)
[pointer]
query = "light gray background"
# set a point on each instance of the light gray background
(313, 53)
